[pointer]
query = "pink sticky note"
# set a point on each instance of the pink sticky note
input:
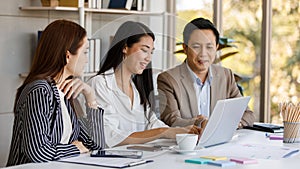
(276, 137)
(243, 160)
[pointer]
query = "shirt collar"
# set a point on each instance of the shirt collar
(195, 77)
(109, 75)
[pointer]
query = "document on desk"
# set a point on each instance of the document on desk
(257, 151)
(105, 161)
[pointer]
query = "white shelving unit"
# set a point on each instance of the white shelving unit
(86, 21)
(83, 10)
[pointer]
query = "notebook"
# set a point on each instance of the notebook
(223, 121)
(267, 127)
(105, 161)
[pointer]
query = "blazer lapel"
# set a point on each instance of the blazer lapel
(187, 83)
(214, 89)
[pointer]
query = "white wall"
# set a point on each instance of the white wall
(6, 120)
(18, 35)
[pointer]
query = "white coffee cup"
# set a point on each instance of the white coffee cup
(186, 141)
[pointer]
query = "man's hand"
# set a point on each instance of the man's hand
(201, 121)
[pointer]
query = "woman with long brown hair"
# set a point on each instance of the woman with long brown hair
(46, 126)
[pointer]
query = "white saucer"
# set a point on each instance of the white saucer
(176, 149)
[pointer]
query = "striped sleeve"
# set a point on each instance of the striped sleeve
(37, 141)
(92, 132)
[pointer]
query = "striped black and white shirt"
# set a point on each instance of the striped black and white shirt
(38, 126)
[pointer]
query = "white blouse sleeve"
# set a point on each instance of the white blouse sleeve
(104, 98)
(155, 122)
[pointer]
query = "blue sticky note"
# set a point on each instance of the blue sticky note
(197, 160)
(221, 163)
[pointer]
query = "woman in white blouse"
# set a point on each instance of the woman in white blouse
(124, 88)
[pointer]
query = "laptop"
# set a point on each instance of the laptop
(223, 122)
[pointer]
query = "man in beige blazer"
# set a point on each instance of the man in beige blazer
(188, 92)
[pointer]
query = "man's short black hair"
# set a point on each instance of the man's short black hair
(199, 23)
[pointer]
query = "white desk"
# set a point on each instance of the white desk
(172, 160)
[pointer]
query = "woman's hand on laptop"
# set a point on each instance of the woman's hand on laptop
(171, 132)
(195, 130)
(192, 129)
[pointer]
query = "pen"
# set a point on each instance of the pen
(139, 162)
(290, 154)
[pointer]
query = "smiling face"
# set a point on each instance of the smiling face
(201, 50)
(138, 56)
(77, 62)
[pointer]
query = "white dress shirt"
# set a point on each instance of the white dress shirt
(120, 119)
(202, 92)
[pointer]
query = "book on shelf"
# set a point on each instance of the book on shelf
(94, 56)
(91, 55)
(134, 5)
(145, 5)
(137, 5)
(96, 4)
(105, 4)
(97, 56)
(120, 4)
(140, 4)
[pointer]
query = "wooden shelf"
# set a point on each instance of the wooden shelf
(41, 8)
(121, 11)
(92, 10)
(87, 74)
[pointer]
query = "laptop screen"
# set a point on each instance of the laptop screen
(223, 121)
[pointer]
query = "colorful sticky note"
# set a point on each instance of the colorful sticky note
(197, 160)
(215, 158)
(276, 137)
(222, 163)
(243, 160)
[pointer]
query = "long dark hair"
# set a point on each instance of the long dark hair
(49, 60)
(128, 34)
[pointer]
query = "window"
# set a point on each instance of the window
(285, 54)
(242, 23)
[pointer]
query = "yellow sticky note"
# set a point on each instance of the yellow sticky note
(215, 158)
